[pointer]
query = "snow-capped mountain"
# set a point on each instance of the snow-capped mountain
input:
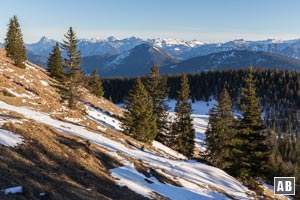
(132, 57)
(43, 47)
(110, 46)
(134, 62)
(289, 48)
(234, 59)
(177, 48)
(114, 46)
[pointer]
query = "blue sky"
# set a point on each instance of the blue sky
(205, 20)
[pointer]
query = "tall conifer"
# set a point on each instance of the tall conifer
(14, 45)
(95, 84)
(55, 66)
(73, 68)
(182, 127)
(220, 132)
(139, 121)
(250, 148)
(156, 86)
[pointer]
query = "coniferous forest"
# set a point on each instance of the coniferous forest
(269, 102)
(278, 90)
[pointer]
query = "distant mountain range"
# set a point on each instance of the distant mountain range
(233, 59)
(139, 60)
(134, 56)
(289, 48)
(176, 48)
(114, 46)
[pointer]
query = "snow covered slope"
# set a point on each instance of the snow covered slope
(194, 180)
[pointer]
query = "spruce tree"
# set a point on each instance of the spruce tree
(139, 121)
(220, 132)
(55, 66)
(95, 84)
(182, 128)
(156, 86)
(14, 45)
(250, 148)
(72, 65)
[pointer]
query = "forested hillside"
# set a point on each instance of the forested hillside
(279, 91)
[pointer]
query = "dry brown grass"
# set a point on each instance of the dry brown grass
(27, 86)
(102, 104)
(269, 195)
(59, 164)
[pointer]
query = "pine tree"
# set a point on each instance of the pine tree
(250, 147)
(182, 128)
(220, 132)
(139, 121)
(156, 86)
(14, 45)
(95, 84)
(73, 68)
(55, 67)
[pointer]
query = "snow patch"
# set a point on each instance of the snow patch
(45, 83)
(10, 139)
(30, 66)
(13, 190)
(102, 117)
(74, 120)
(119, 59)
(168, 150)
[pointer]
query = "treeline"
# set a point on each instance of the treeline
(278, 90)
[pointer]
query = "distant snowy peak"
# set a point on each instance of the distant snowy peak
(175, 47)
(43, 47)
(194, 43)
(167, 42)
(45, 40)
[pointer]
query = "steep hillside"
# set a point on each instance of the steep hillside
(233, 60)
(50, 152)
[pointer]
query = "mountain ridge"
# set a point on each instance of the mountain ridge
(234, 59)
(135, 62)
